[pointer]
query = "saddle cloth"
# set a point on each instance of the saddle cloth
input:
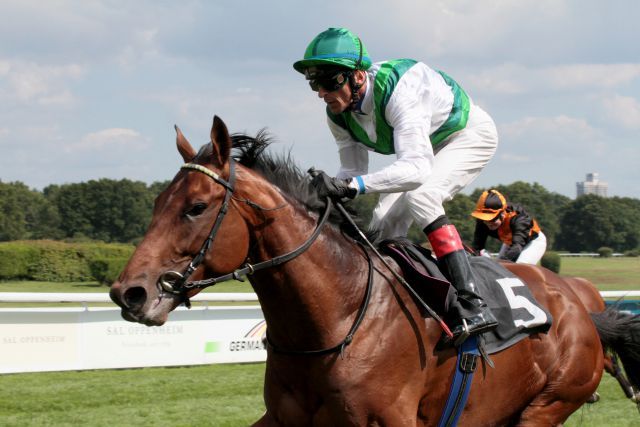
(519, 314)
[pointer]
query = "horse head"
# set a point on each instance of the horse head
(185, 238)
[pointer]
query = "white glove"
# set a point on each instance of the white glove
(485, 253)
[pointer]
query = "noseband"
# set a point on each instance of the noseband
(176, 283)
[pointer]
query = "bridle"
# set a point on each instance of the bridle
(177, 283)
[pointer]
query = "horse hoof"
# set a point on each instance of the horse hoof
(593, 398)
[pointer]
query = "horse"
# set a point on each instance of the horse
(595, 304)
(346, 342)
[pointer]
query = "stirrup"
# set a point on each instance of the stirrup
(463, 335)
(463, 331)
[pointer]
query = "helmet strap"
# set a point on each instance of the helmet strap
(355, 87)
(355, 91)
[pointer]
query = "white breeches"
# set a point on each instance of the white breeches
(532, 251)
(454, 167)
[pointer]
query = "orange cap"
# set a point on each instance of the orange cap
(489, 205)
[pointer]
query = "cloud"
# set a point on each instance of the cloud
(601, 76)
(558, 86)
(141, 47)
(559, 137)
(30, 82)
(109, 140)
(515, 78)
(514, 158)
(623, 111)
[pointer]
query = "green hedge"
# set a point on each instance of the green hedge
(47, 260)
(106, 270)
(551, 260)
(605, 252)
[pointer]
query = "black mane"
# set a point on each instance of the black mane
(282, 172)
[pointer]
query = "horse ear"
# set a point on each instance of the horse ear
(186, 150)
(220, 140)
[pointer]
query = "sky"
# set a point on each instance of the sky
(91, 89)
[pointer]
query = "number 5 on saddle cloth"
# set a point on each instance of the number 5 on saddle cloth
(517, 311)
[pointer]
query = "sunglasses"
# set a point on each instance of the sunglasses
(494, 220)
(328, 83)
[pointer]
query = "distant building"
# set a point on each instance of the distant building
(592, 185)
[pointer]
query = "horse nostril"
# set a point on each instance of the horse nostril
(135, 297)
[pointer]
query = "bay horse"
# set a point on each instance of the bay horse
(347, 344)
(595, 304)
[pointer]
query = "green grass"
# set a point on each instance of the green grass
(608, 274)
(220, 395)
(613, 409)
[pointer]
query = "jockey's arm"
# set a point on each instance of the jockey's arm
(520, 227)
(480, 235)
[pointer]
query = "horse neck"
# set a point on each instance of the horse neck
(313, 298)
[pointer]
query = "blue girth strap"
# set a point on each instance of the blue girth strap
(465, 367)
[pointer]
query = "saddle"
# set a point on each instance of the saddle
(519, 314)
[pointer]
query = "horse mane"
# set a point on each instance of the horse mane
(280, 170)
(284, 173)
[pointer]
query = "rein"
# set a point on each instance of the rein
(252, 268)
(356, 324)
(177, 283)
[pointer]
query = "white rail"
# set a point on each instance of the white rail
(48, 297)
(619, 294)
(104, 297)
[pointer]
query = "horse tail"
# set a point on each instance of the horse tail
(620, 332)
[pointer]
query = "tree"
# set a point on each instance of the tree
(591, 222)
(25, 213)
(586, 224)
(626, 222)
(108, 210)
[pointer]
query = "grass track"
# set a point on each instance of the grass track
(212, 395)
(227, 395)
(608, 274)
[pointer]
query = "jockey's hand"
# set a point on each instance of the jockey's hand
(331, 187)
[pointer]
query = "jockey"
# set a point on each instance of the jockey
(440, 138)
(522, 240)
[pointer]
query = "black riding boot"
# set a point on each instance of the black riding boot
(474, 314)
(472, 309)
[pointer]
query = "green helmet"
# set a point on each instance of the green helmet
(338, 47)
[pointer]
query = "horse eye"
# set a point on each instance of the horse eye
(196, 210)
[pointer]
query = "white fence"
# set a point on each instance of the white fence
(74, 338)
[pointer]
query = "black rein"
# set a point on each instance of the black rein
(177, 283)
